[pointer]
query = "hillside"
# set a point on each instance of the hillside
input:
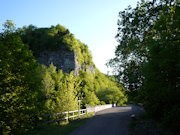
(58, 49)
(58, 46)
(65, 72)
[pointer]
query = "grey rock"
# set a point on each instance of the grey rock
(64, 59)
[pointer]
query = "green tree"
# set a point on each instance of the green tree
(87, 80)
(69, 90)
(134, 27)
(48, 88)
(161, 72)
(20, 80)
(147, 57)
(111, 95)
(90, 98)
(60, 89)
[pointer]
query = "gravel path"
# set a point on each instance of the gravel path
(113, 121)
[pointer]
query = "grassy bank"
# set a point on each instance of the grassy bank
(60, 129)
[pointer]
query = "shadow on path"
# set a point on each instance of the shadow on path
(113, 121)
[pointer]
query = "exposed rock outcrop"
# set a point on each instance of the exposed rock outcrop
(64, 59)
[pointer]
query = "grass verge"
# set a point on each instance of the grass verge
(61, 129)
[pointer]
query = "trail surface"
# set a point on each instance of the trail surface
(113, 121)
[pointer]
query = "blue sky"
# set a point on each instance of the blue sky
(93, 22)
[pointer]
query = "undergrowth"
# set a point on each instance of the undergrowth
(143, 125)
(61, 129)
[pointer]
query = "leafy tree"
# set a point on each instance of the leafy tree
(87, 79)
(111, 95)
(48, 88)
(60, 90)
(134, 26)
(100, 86)
(147, 57)
(90, 98)
(70, 89)
(20, 80)
(163, 89)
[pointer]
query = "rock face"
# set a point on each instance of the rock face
(63, 59)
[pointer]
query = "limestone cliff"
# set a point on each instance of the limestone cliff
(64, 59)
(58, 46)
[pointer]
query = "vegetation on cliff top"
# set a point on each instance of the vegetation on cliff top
(55, 38)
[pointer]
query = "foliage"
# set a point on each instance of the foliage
(112, 95)
(147, 57)
(145, 125)
(41, 39)
(61, 129)
(90, 98)
(60, 90)
(53, 38)
(100, 89)
(29, 89)
(20, 80)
